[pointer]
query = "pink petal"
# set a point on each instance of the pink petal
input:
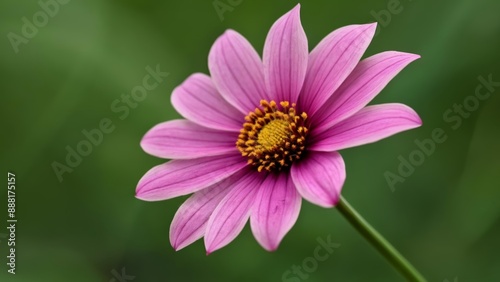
(230, 216)
(275, 211)
(181, 177)
(197, 99)
(332, 61)
(285, 57)
(364, 83)
(367, 126)
(237, 71)
(191, 218)
(319, 177)
(183, 139)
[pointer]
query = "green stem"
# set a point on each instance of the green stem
(380, 243)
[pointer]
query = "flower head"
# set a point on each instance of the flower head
(260, 135)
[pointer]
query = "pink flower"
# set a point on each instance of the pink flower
(260, 135)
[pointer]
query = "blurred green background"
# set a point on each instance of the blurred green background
(445, 216)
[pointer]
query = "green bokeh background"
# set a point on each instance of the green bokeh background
(445, 217)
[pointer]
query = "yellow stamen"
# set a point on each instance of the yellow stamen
(273, 133)
(273, 136)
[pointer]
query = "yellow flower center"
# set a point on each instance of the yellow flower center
(273, 137)
(273, 133)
